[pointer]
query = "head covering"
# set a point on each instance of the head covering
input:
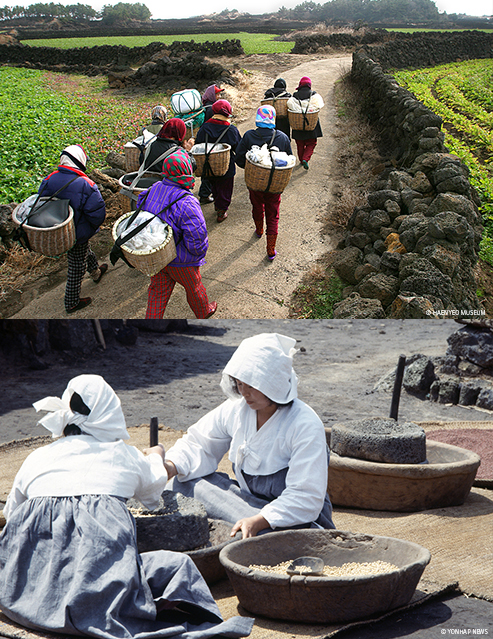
(177, 168)
(105, 421)
(173, 129)
(74, 156)
(159, 112)
(210, 94)
(266, 117)
(265, 362)
(305, 82)
(280, 84)
(222, 107)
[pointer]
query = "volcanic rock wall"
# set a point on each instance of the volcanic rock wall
(410, 252)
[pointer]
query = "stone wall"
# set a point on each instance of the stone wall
(411, 250)
(93, 60)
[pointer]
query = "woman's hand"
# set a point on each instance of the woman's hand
(189, 143)
(159, 449)
(250, 526)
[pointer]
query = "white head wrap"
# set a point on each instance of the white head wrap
(105, 422)
(264, 362)
(74, 156)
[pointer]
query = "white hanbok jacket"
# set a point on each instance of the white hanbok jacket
(83, 465)
(293, 438)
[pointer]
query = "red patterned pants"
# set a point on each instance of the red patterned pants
(162, 286)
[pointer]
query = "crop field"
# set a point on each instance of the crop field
(462, 95)
(42, 112)
(251, 42)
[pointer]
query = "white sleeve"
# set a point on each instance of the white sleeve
(306, 481)
(153, 478)
(200, 450)
(16, 498)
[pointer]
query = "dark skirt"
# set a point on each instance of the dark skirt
(71, 565)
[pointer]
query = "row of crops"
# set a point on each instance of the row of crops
(462, 94)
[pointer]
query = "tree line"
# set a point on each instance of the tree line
(370, 11)
(109, 14)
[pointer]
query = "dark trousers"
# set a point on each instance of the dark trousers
(80, 258)
(265, 204)
(222, 190)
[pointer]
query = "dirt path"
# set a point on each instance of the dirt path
(237, 273)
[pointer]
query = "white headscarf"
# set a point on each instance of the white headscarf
(74, 156)
(264, 362)
(105, 422)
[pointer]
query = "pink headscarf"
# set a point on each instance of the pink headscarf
(222, 107)
(305, 82)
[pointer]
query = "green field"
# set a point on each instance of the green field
(42, 112)
(462, 95)
(251, 42)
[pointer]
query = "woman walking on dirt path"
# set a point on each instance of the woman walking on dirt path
(264, 205)
(172, 201)
(69, 561)
(306, 141)
(279, 90)
(89, 213)
(210, 95)
(219, 126)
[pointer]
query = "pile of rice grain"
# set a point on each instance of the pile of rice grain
(348, 569)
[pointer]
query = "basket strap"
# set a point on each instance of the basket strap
(273, 168)
(305, 119)
(139, 228)
(33, 212)
(128, 190)
(207, 153)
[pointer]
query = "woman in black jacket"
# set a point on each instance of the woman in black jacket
(279, 91)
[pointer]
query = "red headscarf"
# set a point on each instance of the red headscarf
(173, 129)
(222, 107)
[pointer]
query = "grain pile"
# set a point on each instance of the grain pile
(348, 569)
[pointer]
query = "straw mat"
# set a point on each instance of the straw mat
(460, 540)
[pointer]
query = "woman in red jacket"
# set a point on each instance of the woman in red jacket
(89, 213)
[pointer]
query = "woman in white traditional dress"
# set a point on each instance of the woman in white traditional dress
(276, 444)
(68, 555)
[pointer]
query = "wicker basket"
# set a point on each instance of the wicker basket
(146, 180)
(132, 156)
(279, 104)
(51, 241)
(257, 177)
(303, 121)
(218, 161)
(152, 261)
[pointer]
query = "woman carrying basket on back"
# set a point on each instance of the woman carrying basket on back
(89, 213)
(219, 126)
(275, 92)
(264, 204)
(184, 215)
(304, 98)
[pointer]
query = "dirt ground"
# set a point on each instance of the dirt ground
(237, 274)
(175, 376)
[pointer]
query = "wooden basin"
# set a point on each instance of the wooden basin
(321, 599)
(444, 480)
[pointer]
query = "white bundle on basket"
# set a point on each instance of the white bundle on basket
(264, 157)
(310, 105)
(150, 237)
(210, 147)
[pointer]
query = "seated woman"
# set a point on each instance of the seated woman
(68, 554)
(276, 444)
(171, 135)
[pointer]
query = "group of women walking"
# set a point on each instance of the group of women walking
(172, 199)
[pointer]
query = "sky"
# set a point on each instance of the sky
(191, 8)
(161, 10)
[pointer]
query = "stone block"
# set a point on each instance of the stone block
(179, 523)
(380, 439)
